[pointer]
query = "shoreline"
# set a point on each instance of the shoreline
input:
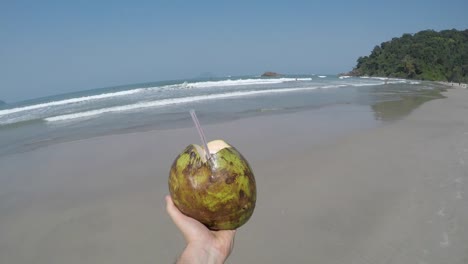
(386, 110)
(381, 194)
(454, 84)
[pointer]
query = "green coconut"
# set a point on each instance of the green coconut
(220, 192)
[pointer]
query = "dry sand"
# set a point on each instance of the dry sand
(396, 193)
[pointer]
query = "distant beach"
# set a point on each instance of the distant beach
(340, 183)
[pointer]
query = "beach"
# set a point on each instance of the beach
(348, 192)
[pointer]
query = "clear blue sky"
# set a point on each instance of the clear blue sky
(51, 47)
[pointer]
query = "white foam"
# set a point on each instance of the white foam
(69, 101)
(334, 86)
(172, 101)
(322, 76)
(380, 78)
(185, 85)
(378, 81)
(364, 84)
(239, 82)
(390, 80)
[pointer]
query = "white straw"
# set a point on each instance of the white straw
(200, 132)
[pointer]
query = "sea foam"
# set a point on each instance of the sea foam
(181, 100)
(69, 101)
(239, 82)
(184, 85)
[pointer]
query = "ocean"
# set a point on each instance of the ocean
(31, 124)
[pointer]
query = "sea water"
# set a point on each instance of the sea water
(160, 105)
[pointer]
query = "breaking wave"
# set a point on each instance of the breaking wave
(68, 101)
(181, 100)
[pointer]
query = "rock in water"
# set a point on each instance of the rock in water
(270, 74)
(219, 192)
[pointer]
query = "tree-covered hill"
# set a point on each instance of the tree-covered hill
(426, 55)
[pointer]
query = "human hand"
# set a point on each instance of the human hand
(203, 245)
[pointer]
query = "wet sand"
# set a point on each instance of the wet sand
(347, 192)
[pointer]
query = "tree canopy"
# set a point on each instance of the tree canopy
(426, 55)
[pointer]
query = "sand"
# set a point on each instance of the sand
(351, 192)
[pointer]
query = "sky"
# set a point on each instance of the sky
(54, 47)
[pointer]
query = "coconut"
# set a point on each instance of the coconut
(216, 188)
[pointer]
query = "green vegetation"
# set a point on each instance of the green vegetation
(426, 55)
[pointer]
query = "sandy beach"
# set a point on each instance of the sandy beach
(348, 193)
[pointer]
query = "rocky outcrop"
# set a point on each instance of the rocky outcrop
(270, 74)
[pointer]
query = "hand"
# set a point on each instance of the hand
(203, 245)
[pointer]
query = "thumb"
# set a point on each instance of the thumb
(188, 226)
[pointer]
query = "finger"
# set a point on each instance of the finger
(174, 213)
(183, 222)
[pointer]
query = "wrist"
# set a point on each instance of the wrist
(194, 254)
